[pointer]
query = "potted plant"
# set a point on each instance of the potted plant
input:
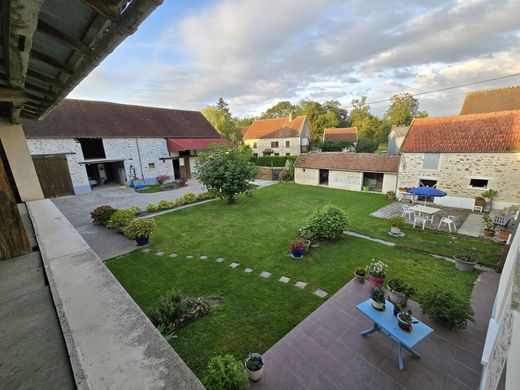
(140, 230)
(390, 195)
(503, 234)
(465, 263)
(378, 298)
(376, 271)
(254, 364)
(399, 291)
(297, 247)
(360, 275)
(488, 196)
(405, 320)
(480, 201)
(396, 223)
(489, 227)
(397, 309)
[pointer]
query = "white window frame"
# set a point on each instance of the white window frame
(478, 178)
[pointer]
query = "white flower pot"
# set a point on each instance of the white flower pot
(255, 375)
(378, 305)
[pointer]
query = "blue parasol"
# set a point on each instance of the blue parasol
(426, 192)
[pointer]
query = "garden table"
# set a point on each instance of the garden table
(426, 210)
(386, 322)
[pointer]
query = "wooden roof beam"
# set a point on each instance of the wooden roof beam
(12, 95)
(56, 34)
(54, 82)
(51, 61)
(101, 7)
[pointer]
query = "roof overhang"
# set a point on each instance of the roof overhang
(182, 144)
(100, 161)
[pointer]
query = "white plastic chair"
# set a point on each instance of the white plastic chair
(448, 221)
(421, 220)
(407, 212)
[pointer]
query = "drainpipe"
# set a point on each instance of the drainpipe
(139, 157)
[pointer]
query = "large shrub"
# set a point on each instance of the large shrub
(225, 373)
(100, 215)
(329, 146)
(227, 170)
(141, 227)
(328, 223)
(175, 309)
(165, 204)
(121, 218)
(287, 173)
(273, 161)
(446, 309)
(187, 198)
(366, 145)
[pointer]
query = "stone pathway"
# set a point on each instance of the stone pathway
(472, 226)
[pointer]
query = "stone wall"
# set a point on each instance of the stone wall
(346, 180)
(456, 169)
(389, 182)
(262, 144)
(306, 176)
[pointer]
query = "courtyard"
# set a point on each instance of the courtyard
(237, 256)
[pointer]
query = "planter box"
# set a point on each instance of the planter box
(462, 263)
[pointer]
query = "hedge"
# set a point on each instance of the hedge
(275, 161)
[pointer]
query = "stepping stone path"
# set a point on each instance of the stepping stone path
(300, 284)
(173, 255)
(146, 250)
(220, 260)
(159, 254)
(234, 265)
(248, 270)
(284, 279)
(320, 293)
(265, 274)
(203, 257)
(189, 257)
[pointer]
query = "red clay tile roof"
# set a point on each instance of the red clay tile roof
(346, 134)
(347, 161)
(180, 144)
(492, 100)
(93, 119)
(489, 132)
(275, 128)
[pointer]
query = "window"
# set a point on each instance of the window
(287, 154)
(92, 148)
(255, 145)
(277, 154)
(287, 144)
(428, 183)
(274, 144)
(478, 183)
(151, 165)
(431, 161)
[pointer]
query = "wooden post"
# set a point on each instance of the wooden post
(13, 239)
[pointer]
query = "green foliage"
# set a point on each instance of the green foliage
(403, 108)
(366, 145)
(489, 194)
(488, 223)
(401, 286)
(254, 363)
(187, 198)
(297, 243)
(165, 204)
(205, 196)
(360, 271)
(327, 223)
(447, 309)
(376, 268)
(225, 373)
(397, 221)
(334, 146)
(175, 310)
(378, 294)
(407, 316)
(141, 227)
(287, 173)
(172, 185)
(274, 161)
(220, 117)
(227, 171)
(100, 215)
(151, 208)
(121, 218)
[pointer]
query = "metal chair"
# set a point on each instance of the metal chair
(448, 221)
(407, 212)
(421, 220)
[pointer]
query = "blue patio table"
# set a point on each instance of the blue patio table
(386, 322)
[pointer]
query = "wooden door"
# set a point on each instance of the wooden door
(53, 173)
(13, 239)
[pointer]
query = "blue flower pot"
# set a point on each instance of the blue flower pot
(297, 253)
(141, 241)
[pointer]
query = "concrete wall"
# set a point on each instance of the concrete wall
(20, 161)
(394, 143)
(345, 180)
(262, 144)
(455, 171)
(306, 176)
(389, 182)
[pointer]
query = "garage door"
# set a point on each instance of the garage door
(53, 173)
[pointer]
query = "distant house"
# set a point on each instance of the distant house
(346, 134)
(278, 137)
(396, 138)
(464, 156)
(348, 171)
(492, 100)
(82, 144)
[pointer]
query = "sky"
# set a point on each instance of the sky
(255, 53)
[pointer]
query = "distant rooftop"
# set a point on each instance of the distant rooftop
(276, 128)
(492, 100)
(345, 134)
(347, 161)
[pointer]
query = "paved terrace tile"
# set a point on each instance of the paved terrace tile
(326, 350)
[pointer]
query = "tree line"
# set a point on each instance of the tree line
(372, 130)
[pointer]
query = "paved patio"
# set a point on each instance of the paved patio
(326, 350)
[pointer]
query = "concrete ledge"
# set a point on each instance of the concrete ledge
(111, 342)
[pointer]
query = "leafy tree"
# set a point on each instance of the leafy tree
(403, 108)
(223, 106)
(340, 112)
(223, 123)
(334, 146)
(279, 110)
(366, 145)
(227, 170)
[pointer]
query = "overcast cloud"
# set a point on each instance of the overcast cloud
(257, 52)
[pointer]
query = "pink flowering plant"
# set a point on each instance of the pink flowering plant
(162, 178)
(377, 268)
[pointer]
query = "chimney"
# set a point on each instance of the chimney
(290, 116)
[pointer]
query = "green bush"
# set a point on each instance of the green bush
(100, 215)
(120, 219)
(334, 146)
(366, 145)
(175, 309)
(166, 204)
(225, 373)
(135, 209)
(142, 227)
(446, 309)
(287, 173)
(151, 208)
(206, 196)
(401, 286)
(328, 223)
(274, 161)
(187, 198)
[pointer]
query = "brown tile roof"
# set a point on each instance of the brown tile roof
(93, 119)
(346, 134)
(347, 161)
(275, 128)
(492, 100)
(473, 133)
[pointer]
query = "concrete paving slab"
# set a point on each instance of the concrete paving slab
(146, 250)
(284, 279)
(234, 265)
(265, 274)
(220, 260)
(472, 226)
(320, 293)
(106, 243)
(248, 270)
(189, 256)
(203, 257)
(301, 285)
(173, 255)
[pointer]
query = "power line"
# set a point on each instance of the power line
(448, 88)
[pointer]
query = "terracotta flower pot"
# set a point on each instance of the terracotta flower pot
(489, 233)
(503, 235)
(375, 281)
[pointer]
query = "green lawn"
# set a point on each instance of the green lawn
(254, 313)
(150, 189)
